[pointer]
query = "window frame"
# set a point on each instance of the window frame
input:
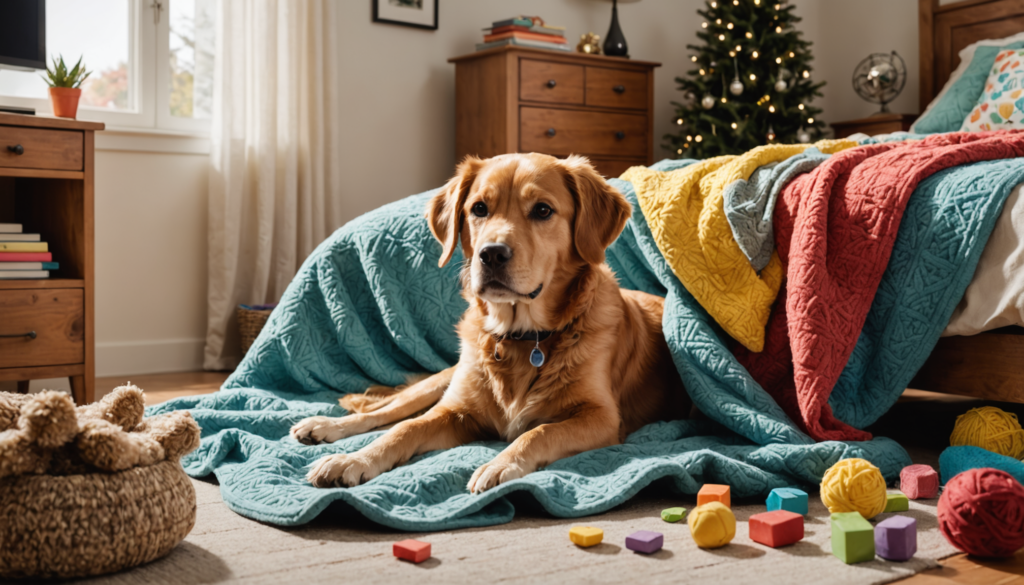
(150, 78)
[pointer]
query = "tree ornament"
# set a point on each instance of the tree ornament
(736, 87)
(771, 134)
(689, 100)
(708, 101)
(780, 84)
(803, 135)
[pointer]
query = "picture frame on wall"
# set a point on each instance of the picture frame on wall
(414, 13)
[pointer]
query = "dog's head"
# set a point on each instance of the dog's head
(525, 221)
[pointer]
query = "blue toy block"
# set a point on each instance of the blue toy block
(789, 499)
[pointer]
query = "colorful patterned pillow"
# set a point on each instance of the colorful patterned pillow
(1001, 105)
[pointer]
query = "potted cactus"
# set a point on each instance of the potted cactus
(65, 86)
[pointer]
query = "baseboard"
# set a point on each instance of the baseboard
(149, 357)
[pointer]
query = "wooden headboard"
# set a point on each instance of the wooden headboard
(946, 29)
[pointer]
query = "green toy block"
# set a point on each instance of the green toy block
(853, 538)
(896, 503)
(673, 514)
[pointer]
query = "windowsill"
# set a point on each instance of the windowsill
(127, 139)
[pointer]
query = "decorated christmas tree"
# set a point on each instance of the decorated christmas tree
(751, 83)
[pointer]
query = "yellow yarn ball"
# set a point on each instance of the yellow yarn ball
(854, 485)
(712, 525)
(989, 428)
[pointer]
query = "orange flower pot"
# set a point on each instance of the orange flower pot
(65, 101)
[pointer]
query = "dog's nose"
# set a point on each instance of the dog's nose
(495, 255)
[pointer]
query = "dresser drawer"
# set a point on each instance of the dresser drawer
(616, 88)
(540, 81)
(41, 149)
(57, 316)
(556, 131)
(611, 168)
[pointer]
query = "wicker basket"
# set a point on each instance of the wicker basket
(85, 525)
(250, 323)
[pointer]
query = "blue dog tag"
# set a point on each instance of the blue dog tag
(537, 357)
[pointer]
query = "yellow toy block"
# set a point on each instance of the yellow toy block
(710, 492)
(586, 535)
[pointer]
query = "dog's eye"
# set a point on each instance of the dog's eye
(542, 211)
(480, 209)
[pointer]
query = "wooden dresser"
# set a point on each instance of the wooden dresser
(46, 184)
(877, 124)
(515, 99)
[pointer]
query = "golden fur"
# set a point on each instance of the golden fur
(607, 371)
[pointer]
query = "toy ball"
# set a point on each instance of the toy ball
(854, 485)
(712, 525)
(981, 512)
(989, 428)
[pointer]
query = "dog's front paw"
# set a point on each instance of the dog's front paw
(318, 429)
(491, 474)
(342, 470)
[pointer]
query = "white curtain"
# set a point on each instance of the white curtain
(274, 180)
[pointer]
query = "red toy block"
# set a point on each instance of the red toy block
(711, 492)
(776, 528)
(412, 550)
(919, 482)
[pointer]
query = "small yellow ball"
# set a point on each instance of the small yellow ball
(989, 428)
(712, 525)
(854, 485)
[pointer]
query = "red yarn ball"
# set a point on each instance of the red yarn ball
(981, 512)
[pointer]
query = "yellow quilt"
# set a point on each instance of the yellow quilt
(686, 213)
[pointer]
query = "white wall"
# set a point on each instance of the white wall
(399, 114)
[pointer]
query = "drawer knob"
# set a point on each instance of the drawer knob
(552, 83)
(17, 149)
(619, 89)
(550, 132)
(30, 335)
(620, 135)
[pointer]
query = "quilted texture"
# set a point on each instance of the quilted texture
(956, 460)
(836, 227)
(750, 204)
(955, 104)
(1000, 105)
(371, 306)
(686, 215)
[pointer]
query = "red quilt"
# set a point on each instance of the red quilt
(834, 229)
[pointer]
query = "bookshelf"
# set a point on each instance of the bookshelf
(47, 326)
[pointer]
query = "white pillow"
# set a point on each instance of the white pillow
(966, 56)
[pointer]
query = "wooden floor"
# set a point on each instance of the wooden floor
(959, 569)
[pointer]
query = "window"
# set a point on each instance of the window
(151, 62)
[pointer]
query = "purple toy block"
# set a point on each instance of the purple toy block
(896, 538)
(645, 541)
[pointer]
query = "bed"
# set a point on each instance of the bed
(989, 365)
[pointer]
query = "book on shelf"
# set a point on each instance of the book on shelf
(525, 36)
(20, 274)
(522, 43)
(544, 30)
(23, 247)
(10, 228)
(525, 21)
(29, 265)
(26, 257)
(9, 237)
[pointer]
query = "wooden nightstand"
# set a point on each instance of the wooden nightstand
(46, 184)
(516, 99)
(880, 124)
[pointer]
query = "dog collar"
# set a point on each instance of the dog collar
(537, 356)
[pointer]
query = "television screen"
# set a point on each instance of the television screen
(23, 34)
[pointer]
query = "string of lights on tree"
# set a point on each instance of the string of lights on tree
(751, 84)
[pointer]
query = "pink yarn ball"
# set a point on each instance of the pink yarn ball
(981, 512)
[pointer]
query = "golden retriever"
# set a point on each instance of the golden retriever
(534, 231)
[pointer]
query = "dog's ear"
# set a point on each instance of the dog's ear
(445, 214)
(601, 211)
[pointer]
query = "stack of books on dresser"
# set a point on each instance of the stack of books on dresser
(23, 255)
(524, 31)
